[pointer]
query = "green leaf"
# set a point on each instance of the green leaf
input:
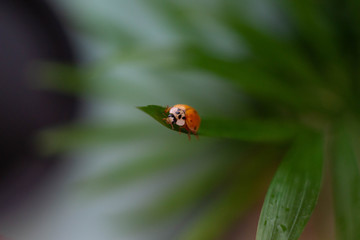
(249, 129)
(244, 129)
(346, 185)
(157, 112)
(294, 191)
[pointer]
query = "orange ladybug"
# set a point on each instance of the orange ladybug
(184, 116)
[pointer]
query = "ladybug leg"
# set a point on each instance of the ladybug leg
(197, 136)
(164, 119)
(167, 109)
(188, 132)
(172, 127)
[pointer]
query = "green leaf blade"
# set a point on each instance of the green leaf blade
(156, 112)
(293, 192)
(251, 130)
(346, 179)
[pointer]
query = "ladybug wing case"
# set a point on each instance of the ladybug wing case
(192, 119)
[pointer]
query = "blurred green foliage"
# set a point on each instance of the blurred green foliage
(269, 78)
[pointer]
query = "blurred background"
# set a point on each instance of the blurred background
(79, 161)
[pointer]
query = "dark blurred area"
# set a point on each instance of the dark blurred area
(30, 33)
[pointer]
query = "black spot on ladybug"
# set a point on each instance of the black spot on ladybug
(177, 112)
(179, 117)
(184, 117)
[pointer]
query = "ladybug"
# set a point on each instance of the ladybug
(183, 116)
